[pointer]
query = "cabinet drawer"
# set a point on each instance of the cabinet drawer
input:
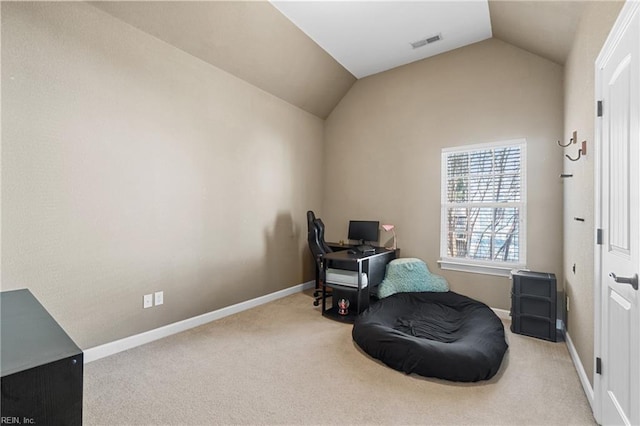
(534, 306)
(534, 284)
(534, 326)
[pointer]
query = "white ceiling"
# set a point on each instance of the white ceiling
(368, 37)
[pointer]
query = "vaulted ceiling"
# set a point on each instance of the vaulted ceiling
(313, 55)
(368, 37)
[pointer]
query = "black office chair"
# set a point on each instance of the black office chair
(311, 216)
(318, 247)
(317, 222)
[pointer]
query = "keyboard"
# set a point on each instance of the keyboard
(365, 248)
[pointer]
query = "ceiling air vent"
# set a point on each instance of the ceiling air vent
(426, 41)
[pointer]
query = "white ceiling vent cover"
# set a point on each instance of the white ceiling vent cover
(426, 41)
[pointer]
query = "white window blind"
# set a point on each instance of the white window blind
(483, 207)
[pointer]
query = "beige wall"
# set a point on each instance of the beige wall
(596, 22)
(129, 167)
(384, 142)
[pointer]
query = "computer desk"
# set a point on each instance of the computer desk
(373, 264)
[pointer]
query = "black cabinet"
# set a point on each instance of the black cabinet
(533, 304)
(41, 366)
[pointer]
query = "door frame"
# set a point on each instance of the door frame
(630, 8)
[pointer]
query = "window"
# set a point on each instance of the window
(483, 208)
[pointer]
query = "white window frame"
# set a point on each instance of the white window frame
(479, 266)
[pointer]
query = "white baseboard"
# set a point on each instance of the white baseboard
(582, 374)
(114, 347)
(502, 313)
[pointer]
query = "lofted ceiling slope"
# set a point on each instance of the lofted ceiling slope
(312, 56)
(545, 28)
(249, 39)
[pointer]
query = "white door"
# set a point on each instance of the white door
(617, 385)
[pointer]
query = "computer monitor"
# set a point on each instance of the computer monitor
(364, 230)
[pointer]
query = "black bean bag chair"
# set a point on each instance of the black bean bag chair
(444, 335)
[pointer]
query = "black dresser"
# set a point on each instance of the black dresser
(41, 366)
(533, 304)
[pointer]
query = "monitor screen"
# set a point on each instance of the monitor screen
(363, 230)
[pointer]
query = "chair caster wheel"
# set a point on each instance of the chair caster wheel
(316, 303)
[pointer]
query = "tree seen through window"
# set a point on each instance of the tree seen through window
(483, 204)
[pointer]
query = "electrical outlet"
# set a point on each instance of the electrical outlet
(159, 297)
(147, 301)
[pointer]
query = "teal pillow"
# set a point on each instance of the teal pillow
(410, 274)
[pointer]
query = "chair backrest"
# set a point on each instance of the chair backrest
(310, 218)
(320, 225)
(316, 247)
(315, 236)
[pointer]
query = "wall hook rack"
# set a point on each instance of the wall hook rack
(582, 151)
(572, 140)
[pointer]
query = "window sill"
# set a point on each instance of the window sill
(476, 268)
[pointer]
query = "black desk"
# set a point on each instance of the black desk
(340, 247)
(374, 265)
(41, 366)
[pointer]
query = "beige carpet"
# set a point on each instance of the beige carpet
(283, 363)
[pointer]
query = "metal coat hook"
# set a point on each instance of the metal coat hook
(582, 151)
(572, 140)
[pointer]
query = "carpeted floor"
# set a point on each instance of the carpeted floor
(283, 363)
